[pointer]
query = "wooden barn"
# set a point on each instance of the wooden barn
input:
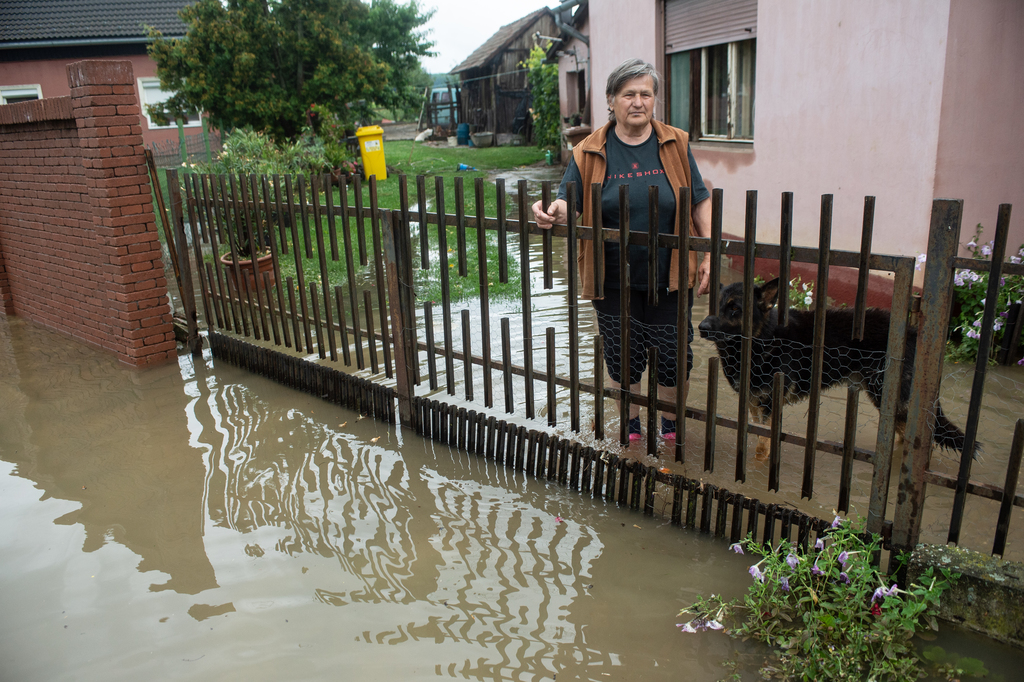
(494, 93)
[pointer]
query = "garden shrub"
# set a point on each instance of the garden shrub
(970, 292)
(827, 613)
(546, 108)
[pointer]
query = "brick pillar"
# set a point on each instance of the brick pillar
(106, 110)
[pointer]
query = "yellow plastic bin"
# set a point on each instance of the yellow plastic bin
(371, 148)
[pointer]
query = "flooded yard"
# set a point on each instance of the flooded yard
(182, 523)
(186, 523)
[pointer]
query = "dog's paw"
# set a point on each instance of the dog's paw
(764, 448)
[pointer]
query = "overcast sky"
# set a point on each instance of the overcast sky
(460, 26)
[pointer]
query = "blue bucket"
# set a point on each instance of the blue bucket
(462, 133)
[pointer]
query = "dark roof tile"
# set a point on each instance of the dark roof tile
(57, 20)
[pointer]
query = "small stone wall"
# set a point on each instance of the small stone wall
(989, 596)
(78, 243)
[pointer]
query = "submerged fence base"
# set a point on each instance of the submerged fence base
(364, 397)
(688, 503)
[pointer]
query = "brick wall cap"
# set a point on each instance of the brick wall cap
(100, 72)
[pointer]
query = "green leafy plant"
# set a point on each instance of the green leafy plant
(827, 613)
(546, 112)
(970, 290)
(801, 294)
(253, 152)
(332, 131)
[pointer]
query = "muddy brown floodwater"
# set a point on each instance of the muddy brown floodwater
(182, 523)
(186, 523)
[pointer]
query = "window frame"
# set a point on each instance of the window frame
(148, 82)
(697, 82)
(20, 91)
(732, 109)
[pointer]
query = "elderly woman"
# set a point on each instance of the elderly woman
(635, 150)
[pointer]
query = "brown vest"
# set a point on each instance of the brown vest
(592, 163)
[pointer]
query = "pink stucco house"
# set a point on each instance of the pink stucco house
(39, 38)
(906, 101)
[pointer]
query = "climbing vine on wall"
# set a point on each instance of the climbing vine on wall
(546, 111)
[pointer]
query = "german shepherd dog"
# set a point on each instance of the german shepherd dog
(788, 349)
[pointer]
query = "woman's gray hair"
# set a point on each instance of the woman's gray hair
(625, 72)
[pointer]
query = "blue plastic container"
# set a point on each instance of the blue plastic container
(462, 133)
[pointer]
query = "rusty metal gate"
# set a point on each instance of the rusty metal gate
(343, 281)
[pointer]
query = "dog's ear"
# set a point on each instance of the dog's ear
(768, 295)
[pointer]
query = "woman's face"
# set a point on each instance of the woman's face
(633, 104)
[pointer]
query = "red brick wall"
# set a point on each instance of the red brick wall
(78, 241)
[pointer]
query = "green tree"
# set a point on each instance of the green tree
(397, 43)
(262, 63)
(546, 109)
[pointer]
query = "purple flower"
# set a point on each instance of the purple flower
(686, 627)
(713, 625)
(881, 593)
(820, 544)
(736, 547)
(792, 560)
(843, 557)
(784, 582)
(815, 570)
(843, 578)
(837, 521)
(756, 573)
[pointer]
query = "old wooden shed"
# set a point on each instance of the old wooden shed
(495, 97)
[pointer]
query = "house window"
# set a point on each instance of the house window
(12, 94)
(151, 94)
(727, 91)
(711, 48)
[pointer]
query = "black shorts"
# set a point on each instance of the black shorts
(649, 326)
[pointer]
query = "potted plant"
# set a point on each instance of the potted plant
(246, 252)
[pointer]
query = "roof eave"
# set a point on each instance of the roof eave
(66, 42)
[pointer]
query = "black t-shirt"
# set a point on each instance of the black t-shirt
(639, 167)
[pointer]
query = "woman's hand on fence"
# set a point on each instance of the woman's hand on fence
(557, 213)
(704, 275)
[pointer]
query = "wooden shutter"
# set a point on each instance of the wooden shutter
(690, 24)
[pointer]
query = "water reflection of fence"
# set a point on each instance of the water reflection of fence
(365, 317)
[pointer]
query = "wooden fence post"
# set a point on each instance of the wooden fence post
(188, 297)
(398, 259)
(943, 242)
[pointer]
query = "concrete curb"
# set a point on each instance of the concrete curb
(989, 596)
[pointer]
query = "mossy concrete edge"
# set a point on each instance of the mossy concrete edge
(989, 596)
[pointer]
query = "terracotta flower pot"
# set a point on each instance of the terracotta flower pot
(264, 263)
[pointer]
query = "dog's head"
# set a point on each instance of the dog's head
(729, 321)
